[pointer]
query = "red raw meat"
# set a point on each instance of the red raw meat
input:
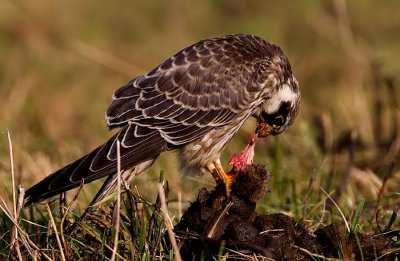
(243, 158)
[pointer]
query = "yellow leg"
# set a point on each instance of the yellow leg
(210, 167)
(223, 176)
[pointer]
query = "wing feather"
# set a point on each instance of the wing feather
(205, 85)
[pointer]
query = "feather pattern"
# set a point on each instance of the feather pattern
(211, 77)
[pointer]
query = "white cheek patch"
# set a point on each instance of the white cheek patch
(284, 94)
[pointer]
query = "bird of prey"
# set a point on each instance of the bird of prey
(193, 102)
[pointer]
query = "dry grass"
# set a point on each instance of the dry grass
(59, 68)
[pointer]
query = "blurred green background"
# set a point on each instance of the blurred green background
(62, 60)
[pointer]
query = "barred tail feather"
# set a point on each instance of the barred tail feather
(99, 163)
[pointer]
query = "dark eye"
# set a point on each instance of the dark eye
(278, 120)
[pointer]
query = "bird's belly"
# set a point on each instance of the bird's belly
(194, 156)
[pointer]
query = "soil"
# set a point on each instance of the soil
(216, 220)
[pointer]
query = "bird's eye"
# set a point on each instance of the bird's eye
(278, 120)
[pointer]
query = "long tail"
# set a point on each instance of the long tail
(137, 152)
(110, 185)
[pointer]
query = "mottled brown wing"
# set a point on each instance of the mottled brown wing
(206, 85)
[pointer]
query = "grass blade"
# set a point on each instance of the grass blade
(392, 219)
(357, 215)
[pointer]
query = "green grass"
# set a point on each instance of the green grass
(61, 62)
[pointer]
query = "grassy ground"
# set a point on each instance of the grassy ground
(61, 61)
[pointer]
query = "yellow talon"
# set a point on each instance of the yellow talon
(219, 174)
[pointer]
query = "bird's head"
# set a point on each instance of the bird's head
(280, 107)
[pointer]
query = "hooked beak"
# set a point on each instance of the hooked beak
(263, 130)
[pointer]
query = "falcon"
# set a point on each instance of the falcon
(194, 102)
